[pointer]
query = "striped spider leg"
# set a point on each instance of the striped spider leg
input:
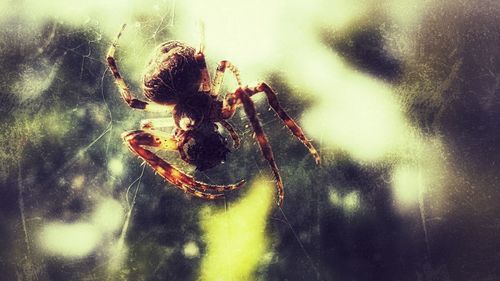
(242, 96)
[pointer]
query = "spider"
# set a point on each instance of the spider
(177, 79)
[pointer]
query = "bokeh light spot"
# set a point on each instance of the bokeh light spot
(335, 198)
(191, 250)
(108, 215)
(236, 238)
(115, 166)
(407, 184)
(73, 240)
(351, 202)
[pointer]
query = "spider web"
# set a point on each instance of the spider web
(76, 205)
(99, 118)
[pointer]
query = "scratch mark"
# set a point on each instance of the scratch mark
(421, 207)
(123, 233)
(21, 208)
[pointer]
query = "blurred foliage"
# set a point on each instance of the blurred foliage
(62, 155)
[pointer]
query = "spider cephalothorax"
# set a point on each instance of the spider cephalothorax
(177, 80)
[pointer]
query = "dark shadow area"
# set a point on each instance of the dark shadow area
(365, 49)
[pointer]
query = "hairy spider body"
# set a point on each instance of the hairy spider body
(172, 73)
(177, 79)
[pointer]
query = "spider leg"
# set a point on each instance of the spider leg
(125, 91)
(153, 123)
(205, 76)
(243, 96)
(289, 122)
(219, 76)
(182, 138)
(200, 59)
(201, 31)
(135, 141)
(232, 132)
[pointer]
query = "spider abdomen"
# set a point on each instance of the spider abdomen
(171, 73)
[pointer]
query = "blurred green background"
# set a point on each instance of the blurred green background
(400, 98)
